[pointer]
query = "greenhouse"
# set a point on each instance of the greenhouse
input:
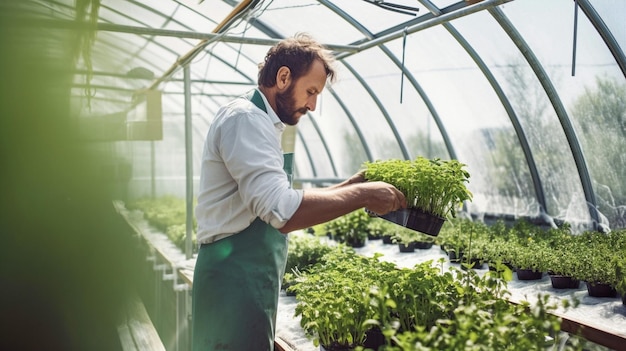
(109, 111)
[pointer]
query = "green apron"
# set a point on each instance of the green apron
(236, 284)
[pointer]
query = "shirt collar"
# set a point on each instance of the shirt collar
(270, 112)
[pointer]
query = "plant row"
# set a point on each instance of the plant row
(593, 257)
(167, 214)
(347, 301)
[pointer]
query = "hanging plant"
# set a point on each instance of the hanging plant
(86, 10)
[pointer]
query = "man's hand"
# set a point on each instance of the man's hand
(383, 197)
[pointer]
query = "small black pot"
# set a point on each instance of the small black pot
(423, 245)
(356, 243)
(454, 256)
(374, 237)
(410, 247)
(374, 339)
(387, 239)
(564, 282)
(600, 290)
(416, 219)
(528, 274)
(335, 347)
(624, 299)
(475, 263)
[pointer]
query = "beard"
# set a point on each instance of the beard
(286, 107)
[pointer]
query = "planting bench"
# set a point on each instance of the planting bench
(599, 320)
(136, 331)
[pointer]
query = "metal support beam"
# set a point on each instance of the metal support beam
(188, 163)
(485, 5)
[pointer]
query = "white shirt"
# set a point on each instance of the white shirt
(242, 174)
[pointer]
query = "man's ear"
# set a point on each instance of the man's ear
(283, 78)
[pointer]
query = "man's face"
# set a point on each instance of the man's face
(301, 95)
(286, 107)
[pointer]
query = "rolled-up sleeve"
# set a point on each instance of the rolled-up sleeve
(284, 209)
(250, 147)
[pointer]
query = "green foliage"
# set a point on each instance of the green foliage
(435, 186)
(407, 236)
(351, 228)
(169, 215)
(419, 308)
(620, 274)
(332, 296)
(303, 252)
(378, 227)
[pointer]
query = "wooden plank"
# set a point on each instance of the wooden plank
(599, 336)
(128, 344)
(282, 345)
(136, 332)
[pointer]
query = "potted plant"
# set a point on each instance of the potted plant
(527, 258)
(351, 229)
(562, 263)
(597, 268)
(409, 240)
(620, 273)
(433, 189)
(376, 229)
(303, 252)
(332, 301)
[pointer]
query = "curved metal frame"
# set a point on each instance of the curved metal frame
(519, 131)
(568, 129)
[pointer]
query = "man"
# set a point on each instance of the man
(246, 204)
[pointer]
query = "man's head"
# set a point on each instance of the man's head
(294, 73)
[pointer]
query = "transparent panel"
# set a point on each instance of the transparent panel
(367, 113)
(550, 145)
(405, 108)
(291, 16)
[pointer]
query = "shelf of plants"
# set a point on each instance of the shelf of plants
(355, 263)
(598, 319)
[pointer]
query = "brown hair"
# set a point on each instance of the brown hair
(296, 53)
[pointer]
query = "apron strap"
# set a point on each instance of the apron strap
(257, 100)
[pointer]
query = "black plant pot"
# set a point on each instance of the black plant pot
(475, 263)
(356, 243)
(423, 245)
(528, 274)
(600, 290)
(416, 219)
(374, 339)
(374, 237)
(410, 247)
(455, 257)
(335, 347)
(564, 282)
(624, 299)
(387, 239)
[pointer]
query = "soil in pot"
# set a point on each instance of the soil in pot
(528, 274)
(564, 282)
(600, 290)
